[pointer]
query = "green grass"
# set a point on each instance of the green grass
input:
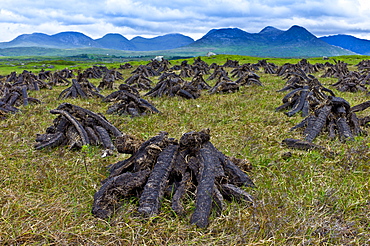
(311, 198)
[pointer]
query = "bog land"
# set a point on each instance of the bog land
(301, 197)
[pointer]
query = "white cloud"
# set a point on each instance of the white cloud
(190, 17)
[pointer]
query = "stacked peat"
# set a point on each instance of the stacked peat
(160, 65)
(28, 79)
(83, 89)
(146, 71)
(306, 92)
(60, 78)
(109, 78)
(163, 165)
(15, 96)
(364, 121)
(127, 101)
(7, 100)
(352, 82)
(231, 63)
(125, 66)
(333, 116)
(249, 78)
(139, 81)
(338, 70)
(12, 97)
(240, 71)
(76, 127)
(171, 84)
(268, 67)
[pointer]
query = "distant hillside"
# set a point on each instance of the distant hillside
(115, 41)
(63, 40)
(357, 45)
(71, 40)
(269, 42)
(166, 42)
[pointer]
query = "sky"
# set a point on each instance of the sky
(194, 18)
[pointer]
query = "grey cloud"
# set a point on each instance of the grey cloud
(194, 17)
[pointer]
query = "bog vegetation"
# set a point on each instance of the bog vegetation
(309, 196)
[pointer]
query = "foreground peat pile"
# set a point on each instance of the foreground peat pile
(127, 101)
(164, 166)
(76, 127)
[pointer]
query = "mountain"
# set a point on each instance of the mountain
(63, 40)
(74, 40)
(270, 33)
(269, 42)
(296, 34)
(69, 40)
(115, 41)
(224, 37)
(166, 42)
(29, 40)
(357, 45)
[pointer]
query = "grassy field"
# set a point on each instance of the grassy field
(310, 198)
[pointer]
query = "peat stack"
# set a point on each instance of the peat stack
(146, 71)
(249, 78)
(125, 66)
(364, 121)
(306, 93)
(94, 72)
(60, 77)
(109, 78)
(5, 109)
(28, 79)
(268, 67)
(171, 84)
(333, 116)
(159, 64)
(241, 70)
(352, 82)
(338, 70)
(164, 166)
(76, 126)
(127, 101)
(231, 63)
(139, 81)
(199, 82)
(83, 89)
(224, 85)
(16, 95)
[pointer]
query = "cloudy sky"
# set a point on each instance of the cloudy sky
(149, 18)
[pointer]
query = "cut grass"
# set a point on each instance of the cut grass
(311, 198)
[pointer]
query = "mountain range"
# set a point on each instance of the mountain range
(71, 40)
(357, 45)
(269, 42)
